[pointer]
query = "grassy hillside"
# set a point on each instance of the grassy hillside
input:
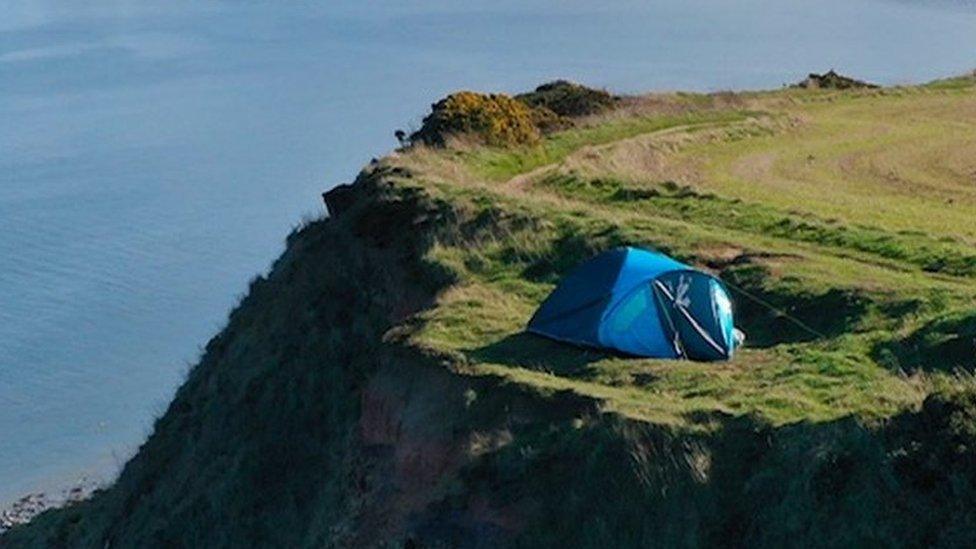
(852, 213)
(376, 387)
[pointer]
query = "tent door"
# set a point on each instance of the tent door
(687, 301)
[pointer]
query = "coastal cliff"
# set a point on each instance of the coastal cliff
(375, 389)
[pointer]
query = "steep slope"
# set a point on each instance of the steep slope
(375, 389)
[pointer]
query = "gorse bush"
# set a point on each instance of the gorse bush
(496, 119)
(500, 120)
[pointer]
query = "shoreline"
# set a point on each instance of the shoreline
(24, 509)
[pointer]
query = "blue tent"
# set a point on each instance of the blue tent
(640, 303)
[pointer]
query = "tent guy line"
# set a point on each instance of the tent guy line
(765, 304)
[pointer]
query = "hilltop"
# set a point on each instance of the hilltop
(375, 388)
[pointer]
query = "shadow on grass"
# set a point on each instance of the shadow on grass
(533, 352)
(798, 318)
(771, 316)
(745, 483)
(945, 345)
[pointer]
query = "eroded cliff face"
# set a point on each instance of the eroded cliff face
(311, 421)
(259, 445)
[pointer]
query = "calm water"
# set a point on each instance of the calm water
(153, 159)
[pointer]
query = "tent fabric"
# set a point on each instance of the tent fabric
(701, 312)
(640, 303)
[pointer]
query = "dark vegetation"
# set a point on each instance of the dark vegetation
(257, 449)
(568, 99)
(839, 484)
(830, 80)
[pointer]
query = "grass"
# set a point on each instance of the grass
(851, 212)
(376, 388)
(899, 163)
(497, 164)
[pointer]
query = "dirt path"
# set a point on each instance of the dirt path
(638, 156)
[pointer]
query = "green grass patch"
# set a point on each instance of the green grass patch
(499, 164)
(507, 267)
(683, 202)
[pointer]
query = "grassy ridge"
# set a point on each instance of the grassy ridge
(499, 164)
(376, 389)
(843, 220)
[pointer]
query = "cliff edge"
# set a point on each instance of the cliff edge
(375, 388)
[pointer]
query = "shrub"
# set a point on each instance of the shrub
(832, 81)
(568, 99)
(497, 119)
(547, 121)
